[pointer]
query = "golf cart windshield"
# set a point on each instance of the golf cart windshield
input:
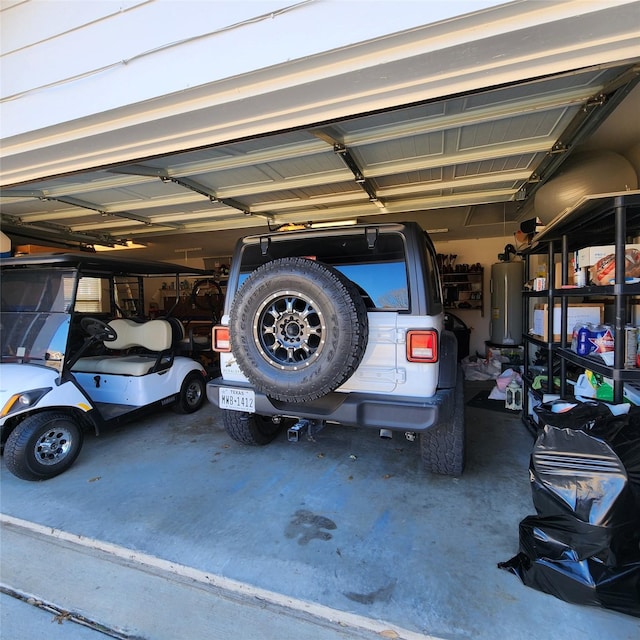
(36, 306)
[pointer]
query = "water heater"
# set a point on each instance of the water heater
(507, 279)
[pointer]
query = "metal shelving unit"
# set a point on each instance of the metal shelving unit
(602, 220)
(464, 290)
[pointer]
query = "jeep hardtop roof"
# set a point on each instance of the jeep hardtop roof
(411, 227)
(381, 243)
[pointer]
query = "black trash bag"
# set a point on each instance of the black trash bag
(583, 546)
(584, 474)
(562, 537)
(585, 582)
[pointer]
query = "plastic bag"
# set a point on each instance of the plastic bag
(603, 272)
(583, 546)
(475, 368)
(502, 382)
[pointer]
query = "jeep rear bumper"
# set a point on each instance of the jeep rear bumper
(401, 413)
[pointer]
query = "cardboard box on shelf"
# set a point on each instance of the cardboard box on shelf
(558, 273)
(576, 312)
(588, 256)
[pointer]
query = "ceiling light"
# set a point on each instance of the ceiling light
(129, 244)
(336, 223)
(444, 230)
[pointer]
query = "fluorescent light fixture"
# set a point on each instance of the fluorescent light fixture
(335, 223)
(443, 230)
(128, 245)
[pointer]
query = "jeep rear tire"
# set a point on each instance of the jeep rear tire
(443, 446)
(250, 428)
(298, 328)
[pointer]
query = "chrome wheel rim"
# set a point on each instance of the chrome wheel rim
(53, 445)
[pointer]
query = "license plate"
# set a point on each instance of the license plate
(237, 399)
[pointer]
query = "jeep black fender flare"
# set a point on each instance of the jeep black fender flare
(448, 374)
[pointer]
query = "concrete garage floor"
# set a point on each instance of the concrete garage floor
(168, 529)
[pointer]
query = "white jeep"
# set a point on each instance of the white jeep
(342, 325)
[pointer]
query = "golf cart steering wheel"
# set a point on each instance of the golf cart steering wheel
(98, 329)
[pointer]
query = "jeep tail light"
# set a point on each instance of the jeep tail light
(422, 346)
(220, 339)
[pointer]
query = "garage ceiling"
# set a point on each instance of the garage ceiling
(465, 163)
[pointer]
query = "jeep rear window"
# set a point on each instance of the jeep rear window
(380, 273)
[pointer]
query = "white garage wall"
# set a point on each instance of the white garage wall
(486, 253)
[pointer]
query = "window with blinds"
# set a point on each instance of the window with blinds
(92, 296)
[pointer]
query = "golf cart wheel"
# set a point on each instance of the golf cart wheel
(250, 428)
(443, 447)
(192, 394)
(43, 446)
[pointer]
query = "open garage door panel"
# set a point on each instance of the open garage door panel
(457, 155)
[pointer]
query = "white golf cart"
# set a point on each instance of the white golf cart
(77, 352)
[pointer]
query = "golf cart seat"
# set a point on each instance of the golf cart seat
(185, 339)
(151, 340)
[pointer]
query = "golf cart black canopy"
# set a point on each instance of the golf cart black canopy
(96, 262)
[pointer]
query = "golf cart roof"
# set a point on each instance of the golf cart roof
(98, 262)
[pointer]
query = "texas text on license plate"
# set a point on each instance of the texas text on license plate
(237, 399)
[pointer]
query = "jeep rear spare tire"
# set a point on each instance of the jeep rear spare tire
(298, 329)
